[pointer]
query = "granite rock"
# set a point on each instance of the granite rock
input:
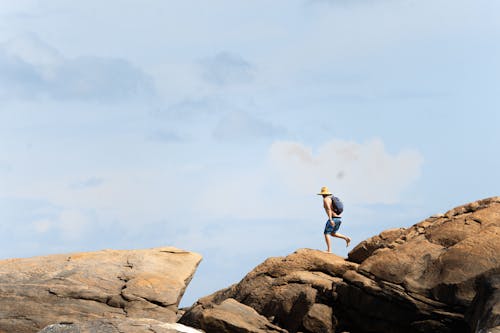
(123, 325)
(435, 276)
(36, 292)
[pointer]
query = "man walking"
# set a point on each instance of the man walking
(334, 219)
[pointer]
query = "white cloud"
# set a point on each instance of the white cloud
(363, 173)
(285, 185)
(31, 69)
(227, 68)
(122, 198)
(31, 49)
(237, 126)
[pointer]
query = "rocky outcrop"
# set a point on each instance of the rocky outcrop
(125, 325)
(484, 314)
(430, 271)
(366, 248)
(36, 292)
(231, 316)
(424, 278)
(293, 293)
(440, 257)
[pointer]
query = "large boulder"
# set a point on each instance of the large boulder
(319, 319)
(231, 316)
(287, 291)
(366, 248)
(424, 278)
(441, 257)
(39, 291)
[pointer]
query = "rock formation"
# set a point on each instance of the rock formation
(484, 313)
(36, 292)
(440, 275)
(124, 325)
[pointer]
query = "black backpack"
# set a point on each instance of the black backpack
(337, 205)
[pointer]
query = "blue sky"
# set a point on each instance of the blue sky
(211, 127)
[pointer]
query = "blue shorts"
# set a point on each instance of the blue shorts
(331, 229)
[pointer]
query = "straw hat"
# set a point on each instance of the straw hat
(325, 191)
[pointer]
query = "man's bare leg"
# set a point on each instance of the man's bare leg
(347, 239)
(328, 244)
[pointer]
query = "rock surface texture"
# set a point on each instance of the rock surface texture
(126, 325)
(37, 292)
(484, 314)
(439, 275)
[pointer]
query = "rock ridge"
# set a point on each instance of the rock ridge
(39, 291)
(435, 276)
(440, 275)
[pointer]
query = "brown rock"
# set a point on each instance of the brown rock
(125, 325)
(319, 319)
(441, 258)
(418, 279)
(484, 314)
(367, 305)
(231, 316)
(284, 290)
(36, 292)
(304, 260)
(366, 248)
(408, 265)
(424, 280)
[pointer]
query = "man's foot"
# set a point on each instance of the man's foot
(327, 251)
(347, 242)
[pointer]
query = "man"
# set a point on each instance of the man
(334, 219)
